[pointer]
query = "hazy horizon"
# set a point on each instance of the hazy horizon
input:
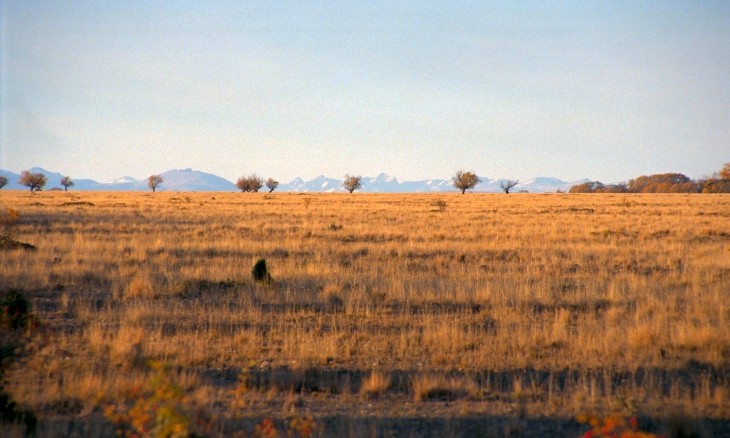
(417, 90)
(233, 181)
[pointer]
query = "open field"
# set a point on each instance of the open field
(385, 313)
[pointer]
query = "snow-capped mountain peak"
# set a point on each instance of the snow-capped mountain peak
(125, 180)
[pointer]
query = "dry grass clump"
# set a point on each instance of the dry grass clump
(582, 298)
(375, 384)
(142, 286)
(433, 386)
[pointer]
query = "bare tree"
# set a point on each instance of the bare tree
(34, 181)
(508, 184)
(3, 181)
(465, 180)
(251, 183)
(352, 183)
(242, 184)
(66, 182)
(272, 184)
(255, 183)
(153, 181)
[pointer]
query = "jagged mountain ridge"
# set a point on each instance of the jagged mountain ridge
(189, 180)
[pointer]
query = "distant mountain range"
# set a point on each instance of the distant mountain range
(189, 180)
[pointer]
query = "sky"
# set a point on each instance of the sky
(570, 89)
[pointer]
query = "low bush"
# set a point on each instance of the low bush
(260, 272)
(16, 310)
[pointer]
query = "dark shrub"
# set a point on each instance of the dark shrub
(15, 310)
(260, 272)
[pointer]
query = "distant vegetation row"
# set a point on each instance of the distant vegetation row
(662, 183)
(253, 183)
(658, 183)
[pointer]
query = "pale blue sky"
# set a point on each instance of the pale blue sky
(605, 90)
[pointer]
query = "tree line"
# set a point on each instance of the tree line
(462, 180)
(251, 183)
(36, 181)
(662, 183)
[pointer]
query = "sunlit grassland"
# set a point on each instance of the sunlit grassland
(551, 303)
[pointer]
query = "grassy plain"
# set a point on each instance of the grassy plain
(380, 306)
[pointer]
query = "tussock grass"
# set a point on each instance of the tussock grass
(429, 387)
(375, 384)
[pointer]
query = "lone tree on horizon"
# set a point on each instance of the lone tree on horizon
(465, 180)
(508, 184)
(272, 184)
(66, 182)
(3, 181)
(352, 183)
(34, 181)
(153, 181)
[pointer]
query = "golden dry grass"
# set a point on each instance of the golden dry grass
(558, 303)
(375, 384)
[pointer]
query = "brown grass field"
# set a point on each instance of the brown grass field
(386, 315)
